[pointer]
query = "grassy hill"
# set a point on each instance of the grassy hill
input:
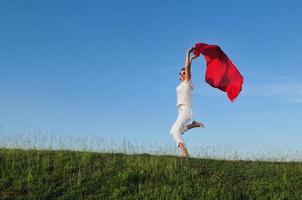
(46, 174)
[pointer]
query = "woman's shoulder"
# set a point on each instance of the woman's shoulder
(189, 83)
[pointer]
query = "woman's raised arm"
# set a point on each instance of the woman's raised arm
(188, 64)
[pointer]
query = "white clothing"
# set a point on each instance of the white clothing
(185, 114)
(184, 92)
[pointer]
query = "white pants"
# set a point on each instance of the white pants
(185, 114)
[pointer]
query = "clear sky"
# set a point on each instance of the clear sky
(110, 68)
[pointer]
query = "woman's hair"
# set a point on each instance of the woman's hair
(183, 69)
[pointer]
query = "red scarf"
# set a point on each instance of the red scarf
(221, 73)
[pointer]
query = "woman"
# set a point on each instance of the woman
(184, 95)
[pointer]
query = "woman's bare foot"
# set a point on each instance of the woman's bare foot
(194, 124)
(197, 124)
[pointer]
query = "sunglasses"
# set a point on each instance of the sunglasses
(182, 73)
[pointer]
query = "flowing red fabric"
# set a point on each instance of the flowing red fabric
(221, 73)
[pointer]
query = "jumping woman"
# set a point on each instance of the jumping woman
(185, 112)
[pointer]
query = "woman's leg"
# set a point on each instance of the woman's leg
(180, 143)
(183, 150)
(180, 127)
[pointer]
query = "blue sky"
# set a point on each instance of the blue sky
(110, 68)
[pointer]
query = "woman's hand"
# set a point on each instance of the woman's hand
(190, 50)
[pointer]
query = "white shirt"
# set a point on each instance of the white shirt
(184, 92)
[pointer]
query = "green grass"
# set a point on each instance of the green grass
(60, 174)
